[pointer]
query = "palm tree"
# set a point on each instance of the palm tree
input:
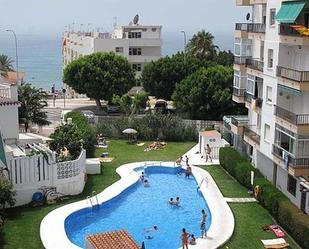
(202, 46)
(32, 103)
(5, 64)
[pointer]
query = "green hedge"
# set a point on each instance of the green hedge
(281, 208)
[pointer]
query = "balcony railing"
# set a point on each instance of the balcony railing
(290, 159)
(248, 97)
(5, 92)
(296, 119)
(251, 27)
(295, 75)
(251, 134)
(239, 120)
(255, 64)
(240, 60)
(286, 29)
(239, 92)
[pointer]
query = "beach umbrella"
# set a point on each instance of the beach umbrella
(129, 131)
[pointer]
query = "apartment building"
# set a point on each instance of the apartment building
(140, 44)
(271, 78)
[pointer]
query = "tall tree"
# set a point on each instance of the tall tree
(32, 103)
(100, 76)
(160, 77)
(206, 94)
(6, 64)
(225, 58)
(201, 46)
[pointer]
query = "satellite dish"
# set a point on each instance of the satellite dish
(248, 17)
(135, 19)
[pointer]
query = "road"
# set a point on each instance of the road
(54, 111)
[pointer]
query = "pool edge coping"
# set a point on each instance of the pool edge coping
(52, 227)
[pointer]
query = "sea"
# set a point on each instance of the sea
(39, 56)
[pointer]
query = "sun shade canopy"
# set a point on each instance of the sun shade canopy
(289, 11)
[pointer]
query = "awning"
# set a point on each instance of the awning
(289, 11)
(289, 90)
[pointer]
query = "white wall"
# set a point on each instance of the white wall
(9, 122)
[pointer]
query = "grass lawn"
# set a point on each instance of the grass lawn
(21, 230)
(249, 217)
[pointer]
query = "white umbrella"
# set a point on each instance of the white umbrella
(129, 131)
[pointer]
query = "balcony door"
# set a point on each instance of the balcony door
(306, 20)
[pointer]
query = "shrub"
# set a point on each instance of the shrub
(87, 132)
(279, 206)
(167, 127)
(6, 194)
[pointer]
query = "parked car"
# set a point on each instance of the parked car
(89, 115)
(112, 109)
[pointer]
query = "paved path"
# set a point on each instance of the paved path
(240, 200)
(195, 157)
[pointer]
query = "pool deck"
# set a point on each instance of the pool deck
(195, 157)
(52, 229)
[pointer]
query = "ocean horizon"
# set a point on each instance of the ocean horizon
(41, 59)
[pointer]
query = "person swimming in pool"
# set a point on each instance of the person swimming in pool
(177, 201)
(146, 183)
(171, 201)
(150, 231)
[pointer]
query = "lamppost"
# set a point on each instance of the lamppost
(17, 78)
(184, 44)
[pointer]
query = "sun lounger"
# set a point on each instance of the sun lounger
(275, 243)
(106, 159)
(277, 231)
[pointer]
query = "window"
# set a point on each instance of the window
(135, 51)
(135, 35)
(269, 91)
(250, 84)
(119, 49)
(272, 17)
(266, 132)
(137, 67)
(154, 29)
(291, 185)
(270, 63)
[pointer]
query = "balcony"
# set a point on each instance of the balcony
(238, 95)
(5, 92)
(252, 137)
(296, 166)
(297, 123)
(252, 2)
(290, 36)
(240, 60)
(255, 64)
(250, 31)
(293, 78)
(238, 123)
(242, 2)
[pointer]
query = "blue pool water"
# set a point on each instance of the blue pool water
(138, 208)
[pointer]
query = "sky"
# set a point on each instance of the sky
(51, 16)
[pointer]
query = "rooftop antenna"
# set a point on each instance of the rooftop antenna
(136, 19)
(115, 21)
(73, 23)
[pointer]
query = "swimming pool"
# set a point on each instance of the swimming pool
(138, 208)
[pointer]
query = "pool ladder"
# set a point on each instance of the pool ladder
(90, 199)
(203, 180)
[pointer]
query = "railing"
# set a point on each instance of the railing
(296, 119)
(291, 160)
(239, 120)
(255, 64)
(5, 92)
(71, 169)
(248, 97)
(251, 27)
(286, 29)
(239, 92)
(240, 60)
(292, 74)
(252, 134)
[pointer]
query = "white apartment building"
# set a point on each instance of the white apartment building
(140, 44)
(271, 78)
